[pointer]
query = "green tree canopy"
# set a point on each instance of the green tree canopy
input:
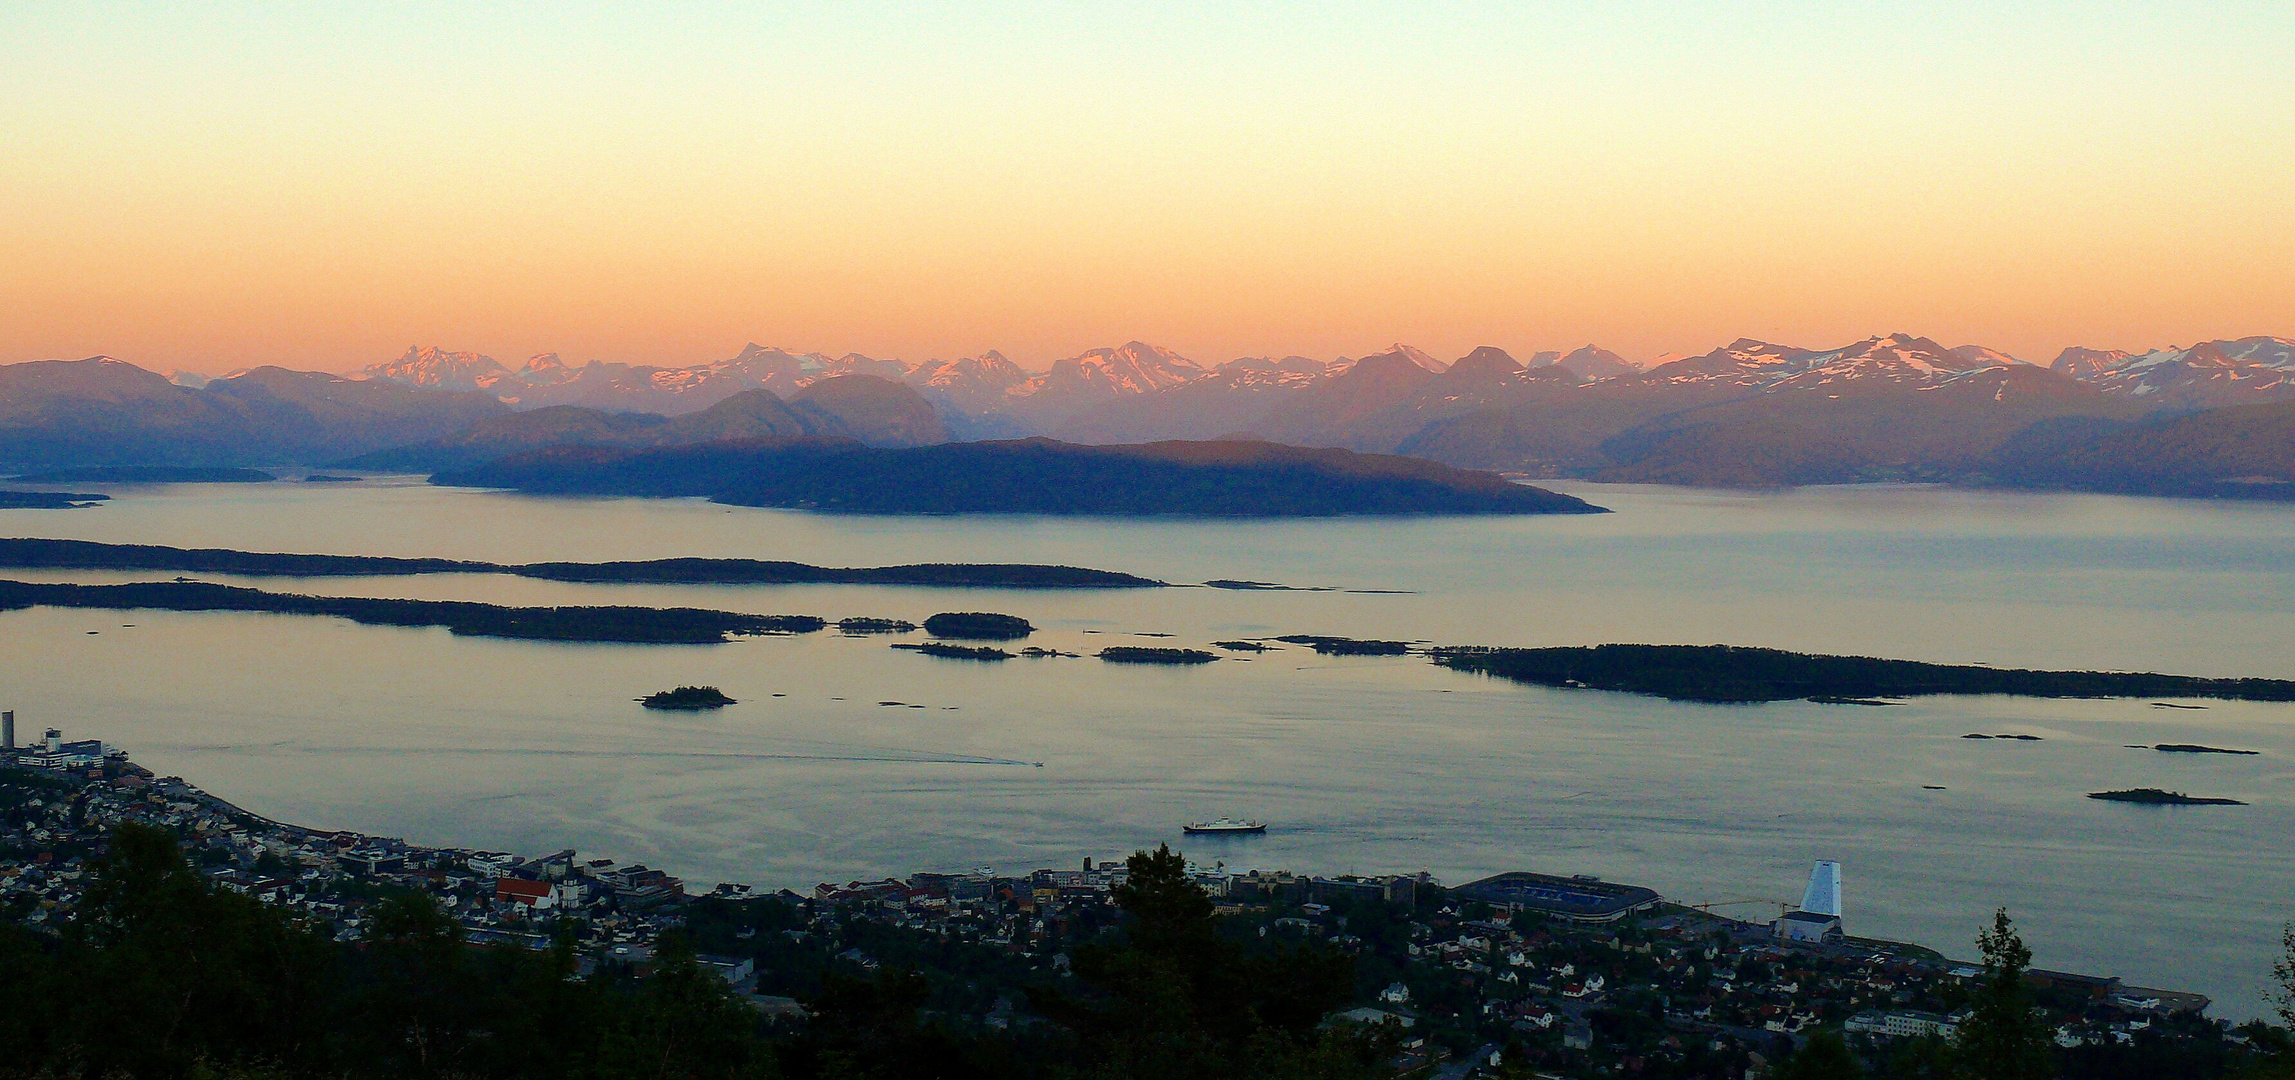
(1826, 1056)
(1176, 1001)
(2004, 1037)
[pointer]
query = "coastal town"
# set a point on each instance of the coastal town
(1518, 974)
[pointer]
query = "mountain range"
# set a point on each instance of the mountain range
(102, 411)
(1894, 407)
(862, 408)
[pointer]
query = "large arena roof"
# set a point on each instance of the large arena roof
(1582, 899)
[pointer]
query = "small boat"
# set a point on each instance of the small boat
(1223, 825)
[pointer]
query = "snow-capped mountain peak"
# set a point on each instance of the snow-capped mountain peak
(2206, 375)
(1419, 357)
(1978, 356)
(1267, 371)
(432, 366)
(1134, 367)
(1416, 356)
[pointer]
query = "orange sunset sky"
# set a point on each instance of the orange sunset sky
(192, 186)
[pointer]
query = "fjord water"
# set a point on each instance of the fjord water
(1359, 764)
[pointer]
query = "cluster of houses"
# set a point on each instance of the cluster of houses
(1555, 970)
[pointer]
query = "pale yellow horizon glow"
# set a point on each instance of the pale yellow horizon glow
(320, 189)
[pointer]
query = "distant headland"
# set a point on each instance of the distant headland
(42, 554)
(145, 474)
(625, 625)
(1731, 673)
(1228, 478)
(48, 500)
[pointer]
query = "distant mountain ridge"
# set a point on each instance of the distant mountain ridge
(102, 411)
(1888, 407)
(863, 408)
(2211, 374)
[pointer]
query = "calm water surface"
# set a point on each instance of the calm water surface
(1361, 764)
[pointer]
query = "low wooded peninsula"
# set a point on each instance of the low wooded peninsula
(955, 652)
(1326, 645)
(1217, 478)
(622, 625)
(48, 500)
(2152, 796)
(145, 474)
(1730, 674)
(43, 554)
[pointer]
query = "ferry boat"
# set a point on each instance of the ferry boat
(1223, 825)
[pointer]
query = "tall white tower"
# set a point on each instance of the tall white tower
(1824, 895)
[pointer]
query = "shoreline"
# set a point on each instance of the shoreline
(659, 891)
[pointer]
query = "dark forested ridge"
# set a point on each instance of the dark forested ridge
(628, 625)
(1728, 673)
(35, 553)
(1236, 478)
(2244, 452)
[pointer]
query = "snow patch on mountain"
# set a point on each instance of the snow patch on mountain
(2206, 375)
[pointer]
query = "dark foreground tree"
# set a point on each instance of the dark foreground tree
(684, 1024)
(1826, 1056)
(2283, 974)
(162, 976)
(2275, 1046)
(161, 972)
(1176, 1001)
(2004, 1038)
(877, 1029)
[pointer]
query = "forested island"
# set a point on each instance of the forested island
(1344, 646)
(44, 554)
(626, 625)
(978, 625)
(687, 699)
(2152, 796)
(955, 652)
(1222, 478)
(1135, 654)
(1729, 673)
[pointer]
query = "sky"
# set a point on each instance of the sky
(212, 186)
